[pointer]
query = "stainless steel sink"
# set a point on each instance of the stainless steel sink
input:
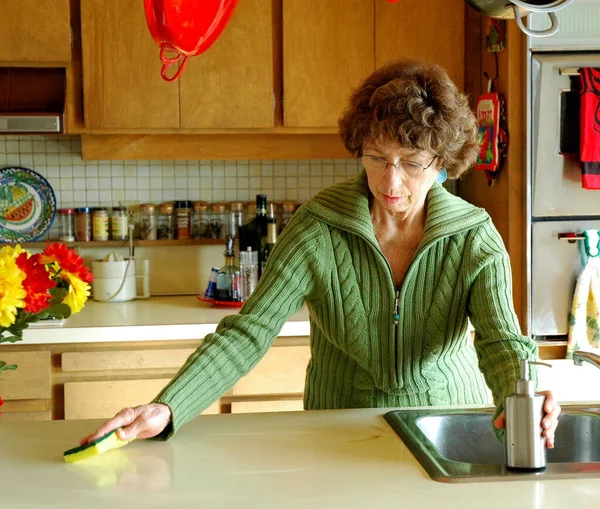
(461, 446)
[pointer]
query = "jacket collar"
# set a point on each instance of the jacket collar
(346, 206)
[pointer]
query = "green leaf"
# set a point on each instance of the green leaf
(59, 311)
(4, 367)
(58, 294)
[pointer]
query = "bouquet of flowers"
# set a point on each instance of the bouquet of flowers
(54, 283)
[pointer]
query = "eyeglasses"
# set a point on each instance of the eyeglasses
(412, 168)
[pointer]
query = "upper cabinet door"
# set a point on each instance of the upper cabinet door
(35, 31)
(437, 33)
(328, 48)
(231, 84)
(122, 87)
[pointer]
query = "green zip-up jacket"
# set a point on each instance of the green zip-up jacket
(328, 258)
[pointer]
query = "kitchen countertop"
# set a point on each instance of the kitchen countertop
(156, 318)
(316, 459)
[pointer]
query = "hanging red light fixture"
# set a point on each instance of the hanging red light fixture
(185, 28)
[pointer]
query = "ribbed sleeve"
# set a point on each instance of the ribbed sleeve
(241, 340)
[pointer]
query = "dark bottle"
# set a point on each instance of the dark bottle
(271, 236)
(254, 233)
(228, 277)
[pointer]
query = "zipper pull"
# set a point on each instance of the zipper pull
(397, 308)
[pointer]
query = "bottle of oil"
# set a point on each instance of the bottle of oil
(271, 236)
(228, 277)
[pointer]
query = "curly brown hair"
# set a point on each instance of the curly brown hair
(413, 103)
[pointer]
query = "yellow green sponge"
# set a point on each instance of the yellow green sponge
(95, 448)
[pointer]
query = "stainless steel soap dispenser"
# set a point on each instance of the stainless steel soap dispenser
(523, 410)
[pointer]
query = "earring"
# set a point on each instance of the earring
(442, 176)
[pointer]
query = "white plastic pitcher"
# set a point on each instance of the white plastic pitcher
(115, 278)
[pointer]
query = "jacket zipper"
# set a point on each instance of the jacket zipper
(397, 308)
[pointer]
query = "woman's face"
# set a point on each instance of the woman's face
(403, 188)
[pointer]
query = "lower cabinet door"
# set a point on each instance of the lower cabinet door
(103, 399)
(246, 407)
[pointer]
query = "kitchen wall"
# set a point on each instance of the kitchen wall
(95, 183)
(104, 183)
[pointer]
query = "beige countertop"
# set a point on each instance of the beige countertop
(318, 459)
(156, 318)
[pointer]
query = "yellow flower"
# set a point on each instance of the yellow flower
(12, 293)
(79, 291)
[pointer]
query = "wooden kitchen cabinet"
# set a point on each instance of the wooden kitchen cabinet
(122, 87)
(436, 33)
(339, 42)
(35, 32)
(328, 48)
(26, 391)
(96, 380)
(231, 84)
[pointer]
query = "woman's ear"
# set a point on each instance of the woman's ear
(442, 176)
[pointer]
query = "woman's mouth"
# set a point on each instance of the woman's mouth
(392, 200)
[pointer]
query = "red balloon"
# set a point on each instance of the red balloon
(185, 27)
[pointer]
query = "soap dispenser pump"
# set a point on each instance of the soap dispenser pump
(525, 445)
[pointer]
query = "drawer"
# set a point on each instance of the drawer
(103, 399)
(25, 416)
(281, 371)
(246, 407)
(125, 359)
(31, 380)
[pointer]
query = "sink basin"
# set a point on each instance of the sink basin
(461, 446)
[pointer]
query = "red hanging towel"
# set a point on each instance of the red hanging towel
(590, 128)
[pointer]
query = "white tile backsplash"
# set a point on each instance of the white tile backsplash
(106, 183)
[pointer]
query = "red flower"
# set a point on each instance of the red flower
(1, 402)
(67, 259)
(36, 283)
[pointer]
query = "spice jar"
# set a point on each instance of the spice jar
(166, 221)
(148, 222)
(83, 224)
(118, 223)
(287, 211)
(218, 220)
(235, 218)
(200, 221)
(250, 211)
(183, 215)
(100, 224)
(67, 225)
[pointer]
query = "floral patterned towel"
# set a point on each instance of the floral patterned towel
(584, 318)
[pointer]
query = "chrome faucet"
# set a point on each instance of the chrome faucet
(592, 358)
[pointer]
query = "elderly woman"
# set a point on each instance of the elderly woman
(391, 267)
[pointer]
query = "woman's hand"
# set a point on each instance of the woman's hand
(144, 421)
(549, 421)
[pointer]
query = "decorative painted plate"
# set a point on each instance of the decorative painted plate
(27, 205)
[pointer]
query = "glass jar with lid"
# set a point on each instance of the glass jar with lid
(200, 221)
(235, 218)
(83, 224)
(100, 224)
(148, 222)
(183, 219)
(119, 221)
(218, 221)
(66, 219)
(166, 221)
